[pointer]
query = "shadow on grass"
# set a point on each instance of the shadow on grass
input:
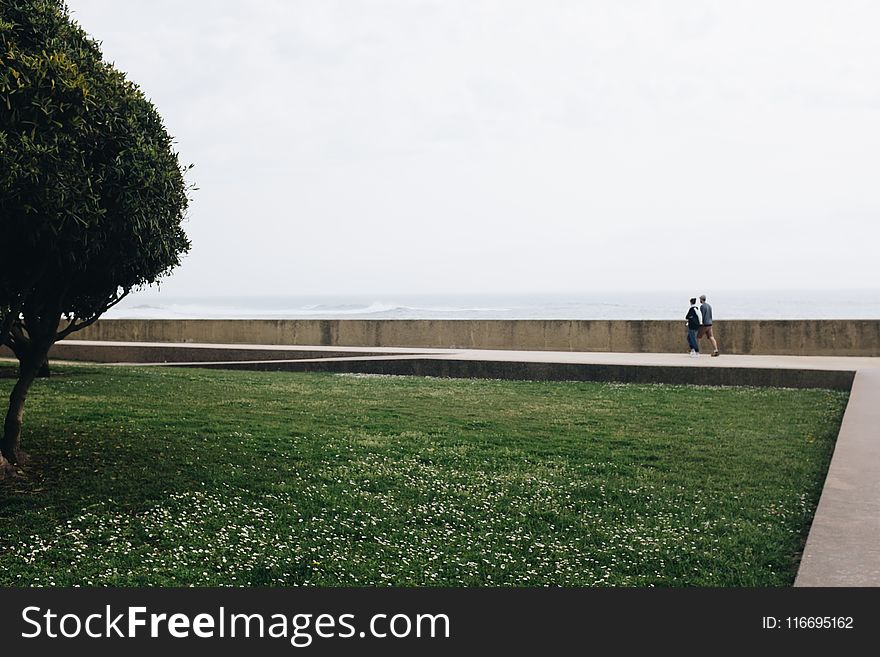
(72, 465)
(63, 477)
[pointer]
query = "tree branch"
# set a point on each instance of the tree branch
(18, 304)
(74, 326)
(18, 341)
(9, 321)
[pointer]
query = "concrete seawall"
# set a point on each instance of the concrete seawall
(759, 337)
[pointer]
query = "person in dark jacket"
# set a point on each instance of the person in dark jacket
(694, 319)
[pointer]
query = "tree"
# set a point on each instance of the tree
(92, 195)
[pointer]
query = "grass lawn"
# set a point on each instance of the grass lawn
(161, 476)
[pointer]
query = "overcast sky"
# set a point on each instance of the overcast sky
(411, 146)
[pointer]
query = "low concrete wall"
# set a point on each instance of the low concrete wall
(529, 371)
(112, 352)
(783, 337)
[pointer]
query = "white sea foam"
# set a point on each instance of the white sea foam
(851, 304)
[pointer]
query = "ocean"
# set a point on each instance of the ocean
(745, 304)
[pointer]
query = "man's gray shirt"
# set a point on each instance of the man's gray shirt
(706, 312)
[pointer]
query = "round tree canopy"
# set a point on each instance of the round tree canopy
(93, 194)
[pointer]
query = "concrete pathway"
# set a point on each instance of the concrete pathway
(161, 349)
(843, 547)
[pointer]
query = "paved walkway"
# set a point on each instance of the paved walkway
(843, 363)
(843, 547)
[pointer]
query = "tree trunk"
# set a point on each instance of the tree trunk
(9, 445)
(43, 372)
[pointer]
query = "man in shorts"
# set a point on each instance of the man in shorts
(706, 325)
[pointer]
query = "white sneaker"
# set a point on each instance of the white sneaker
(694, 354)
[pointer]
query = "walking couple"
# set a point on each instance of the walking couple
(699, 323)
